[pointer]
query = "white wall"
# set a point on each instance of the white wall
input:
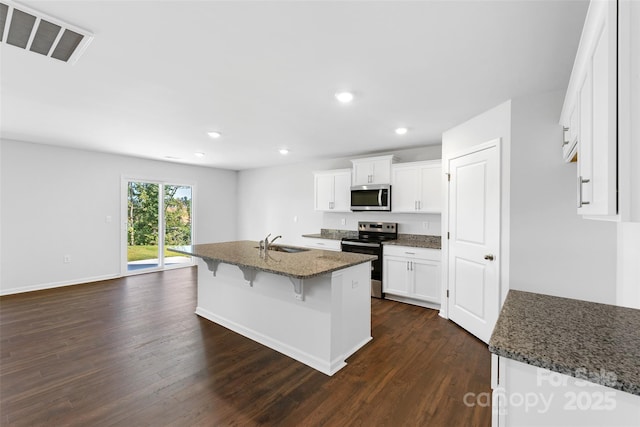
(628, 287)
(553, 250)
(55, 201)
(270, 198)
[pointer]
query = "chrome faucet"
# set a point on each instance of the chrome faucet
(273, 240)
(265, 244)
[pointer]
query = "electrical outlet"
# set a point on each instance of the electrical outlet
(295, 218)
(343, 221)
(108, 219)
(66, 259)
(425, 224)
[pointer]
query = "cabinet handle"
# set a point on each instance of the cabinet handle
(410, 253)
(580, 182)
(564, 131)
(419, 203)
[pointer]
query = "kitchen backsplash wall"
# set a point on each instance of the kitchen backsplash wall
(428, 224)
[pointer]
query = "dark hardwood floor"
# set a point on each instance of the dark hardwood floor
(132, 352)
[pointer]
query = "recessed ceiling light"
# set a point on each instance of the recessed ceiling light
(198, 154)
(172, 158)
(401, 131)
(214, 134)
(284, 151)
(344, 97)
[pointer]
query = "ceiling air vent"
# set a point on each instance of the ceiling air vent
(34, 31)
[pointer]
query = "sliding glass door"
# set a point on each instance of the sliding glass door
(159, 215)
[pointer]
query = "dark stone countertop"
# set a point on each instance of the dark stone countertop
(416, 241)
(332, 234)
(596, 342)
(300, 265)
(411, 240)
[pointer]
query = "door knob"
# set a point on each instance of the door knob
(489, 257)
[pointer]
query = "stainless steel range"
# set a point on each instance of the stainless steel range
(369, 241)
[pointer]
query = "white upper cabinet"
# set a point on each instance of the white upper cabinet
(332, 190)
(372, 170)
(590, 112)
(417, 187)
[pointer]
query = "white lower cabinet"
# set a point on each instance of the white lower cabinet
(525, 395)
(412, 275)
(324, 244)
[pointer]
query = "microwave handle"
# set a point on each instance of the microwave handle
(380, 197)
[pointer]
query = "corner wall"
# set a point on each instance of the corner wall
(55, 201)
(553, 250)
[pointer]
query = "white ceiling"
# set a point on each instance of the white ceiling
(160, 74)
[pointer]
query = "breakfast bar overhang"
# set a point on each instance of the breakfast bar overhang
(311, 305)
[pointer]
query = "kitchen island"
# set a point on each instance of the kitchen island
(311, 305)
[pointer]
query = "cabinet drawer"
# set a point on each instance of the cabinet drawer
(326, 244)
(413, 253)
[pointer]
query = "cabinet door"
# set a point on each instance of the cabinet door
(362, 173)
(396, 272)
(324, 185)
(426, 280)
(597, 139)
(381, 171)
(604, 113)
(342, 192)
(404, 194)
(430, 198)
(585, 144)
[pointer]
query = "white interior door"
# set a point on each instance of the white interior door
(474, 240)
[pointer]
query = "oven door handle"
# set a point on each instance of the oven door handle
(368, 245)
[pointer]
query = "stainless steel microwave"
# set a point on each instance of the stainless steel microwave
(371, 197)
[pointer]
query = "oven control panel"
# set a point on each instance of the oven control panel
(381, 227)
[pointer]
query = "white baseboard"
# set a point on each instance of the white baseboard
(406, 300)
(357, 347)
(43, 286)
(324, 366)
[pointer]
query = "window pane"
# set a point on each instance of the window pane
(177, 217)
(142, 226)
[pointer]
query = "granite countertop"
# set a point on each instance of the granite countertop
(412, 240)
(596, 342)
(300, 265)
(332, 234)
(416, 241)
